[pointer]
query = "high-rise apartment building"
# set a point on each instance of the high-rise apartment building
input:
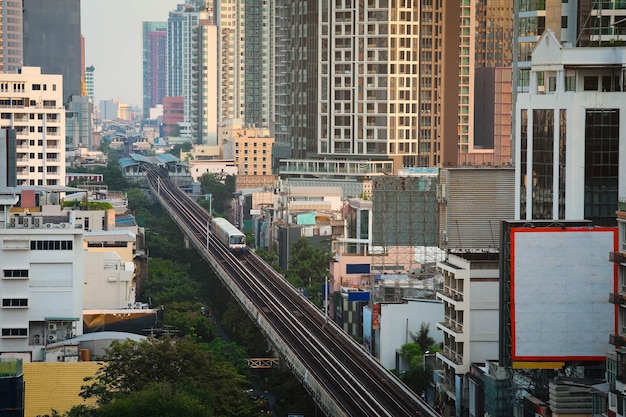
(79, 123)
(11, 30)
(154, 64)
(299, 74)
(89, 82)
(52, 41)
(32, 104)
(485, 82)
(183, 43)
(282, 70)
(206, 114)
(259, 62)
(393, 80)
(230, 20)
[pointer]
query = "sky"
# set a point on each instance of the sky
(112, 31)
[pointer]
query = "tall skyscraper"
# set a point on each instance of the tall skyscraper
(52, 40)
(154, 64)
(282, 70)
(354, 80)
(89, 82)
(11, 30)
(394, 80)
(182, 60)
(259, 62)
(206, 114)
(230, 20)
(485, 82)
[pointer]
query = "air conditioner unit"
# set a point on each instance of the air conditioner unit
(52, 326)
(49, 225)
(52, 338)
(12, 222)
(37, 222)
(64, 225)
(26, 222)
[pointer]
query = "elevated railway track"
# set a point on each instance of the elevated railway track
(340, 375)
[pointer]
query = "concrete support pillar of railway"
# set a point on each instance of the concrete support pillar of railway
(187, 244)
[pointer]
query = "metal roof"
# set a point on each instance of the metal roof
(127, 162)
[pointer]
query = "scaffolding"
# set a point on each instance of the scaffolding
(404, 232)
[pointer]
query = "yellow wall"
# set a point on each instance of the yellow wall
(54, 385)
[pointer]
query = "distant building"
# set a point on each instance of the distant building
(108, 109)
(11, 36)
(33, 106)
(52, 41)
(79, 123)
(8, 153)
(183, 30)
(90, 82)
(250, 147)
(173, 114)
(154, 64)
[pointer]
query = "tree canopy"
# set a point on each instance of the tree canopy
(307, 263)
(221, 192)
(176, 369)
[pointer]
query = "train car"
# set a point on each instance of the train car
(229, 235)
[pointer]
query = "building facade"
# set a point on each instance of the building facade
(79, 123)
(33, 105)
(41, 285)
(570, 141)
(471, 316)
(52, 41)
(11, 24)
(90, 82)
(616, 359)
(250, 147)
(154, 64)
(183, 44)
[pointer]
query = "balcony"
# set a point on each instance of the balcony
(452, 356)
(617, 257)
(617, 298)
(452, 325)
(617, 340)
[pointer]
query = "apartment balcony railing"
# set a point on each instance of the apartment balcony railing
(617, 257)
(617, 298)
(617, 340)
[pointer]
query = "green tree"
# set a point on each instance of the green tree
(307, 264)
(419, 375)
(137, 199)
(221, 192)
(187, 319)
(423, 338)
(168, 282)
(177, 364)
(157, 399)
(270, 257)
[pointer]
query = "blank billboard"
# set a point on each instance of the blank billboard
(560, 284)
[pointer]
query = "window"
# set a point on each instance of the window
(14, 302)
(14, 332)
(51, 244)
(14, 273)
(590, 83)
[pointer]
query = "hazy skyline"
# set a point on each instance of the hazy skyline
(113, 45)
